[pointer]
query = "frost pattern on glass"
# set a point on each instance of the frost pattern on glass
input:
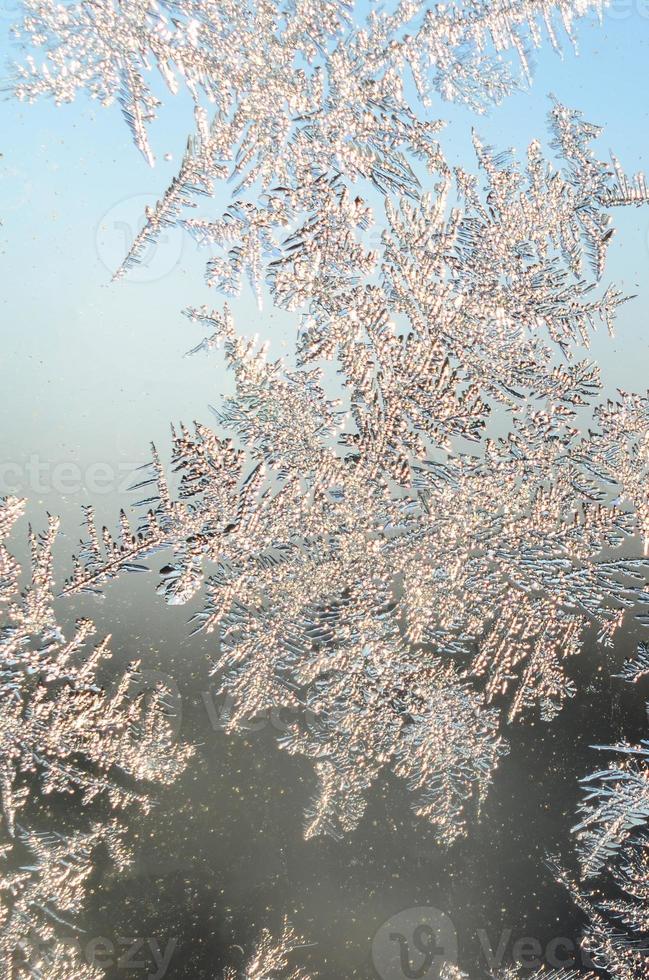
(271, 958)
(55, 711)
(522, 973)
(288, 95)
(613, 852)
(61, 732)
(47, 893)
(405, 531)
(417, 554)
(282, 74)
(385, 559)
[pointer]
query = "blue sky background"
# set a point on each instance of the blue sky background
(91, 372)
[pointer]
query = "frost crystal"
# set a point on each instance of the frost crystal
(61, 732)
(418, 540)
(614, 858)
(35, 900)
(54, 711)
(522, 973)
(283, 77)
(385, 559)
(616, 805)
(271, 959)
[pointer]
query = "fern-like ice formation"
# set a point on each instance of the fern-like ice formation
(280, 75)
(613, 851)
(450, 972)
(61, 732)
(383, 556)
(271, 959)
(288, 95)
(38, 898)
(544, 973)
(54, 710)
(412, 544)
(616, 805)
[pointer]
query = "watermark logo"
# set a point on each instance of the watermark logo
(118, 230)
(220, 710)
(414, 945)
(147, 954)
(65, 478)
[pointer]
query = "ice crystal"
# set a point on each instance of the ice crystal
(385, 558)
(62, 732)
(449, 971)
(55, 713)
(614, 862)
(271, 959)
(38, 898)
(297, 99)
(635, 670)
(428, 544)
(544, 973)
(616, 805)
(614, 937)
(284, 77)
(405, 550)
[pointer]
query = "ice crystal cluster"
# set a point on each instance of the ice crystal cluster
(613, 836)
(271, 959)
(63, 733)
(286, 81)
(405, 530)
(391, 556)
(519, 973)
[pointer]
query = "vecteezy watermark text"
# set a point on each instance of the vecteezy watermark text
(37, 475)
(119, 953)
(419, 943)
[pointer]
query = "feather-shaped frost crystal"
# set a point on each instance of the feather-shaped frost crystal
(613, 852)
(61, 732)
(271, 958)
